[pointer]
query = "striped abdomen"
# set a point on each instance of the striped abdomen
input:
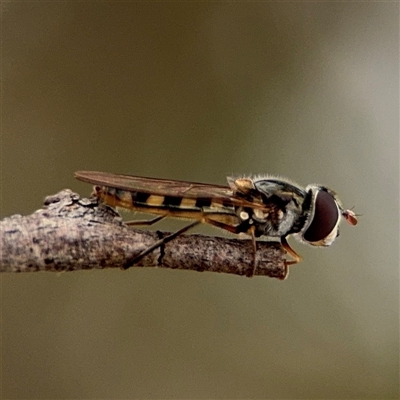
(156, 204)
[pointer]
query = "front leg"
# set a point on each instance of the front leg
(286, 246)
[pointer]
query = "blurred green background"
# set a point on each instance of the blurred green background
(199, 91)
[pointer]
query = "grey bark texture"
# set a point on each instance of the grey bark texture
(70, 233)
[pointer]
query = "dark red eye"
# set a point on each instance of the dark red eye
(326, 216)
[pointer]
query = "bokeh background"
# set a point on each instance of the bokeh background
(199, 91)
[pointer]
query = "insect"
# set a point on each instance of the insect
(257, 206)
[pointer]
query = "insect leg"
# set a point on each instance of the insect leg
(145, 222)
(286, 246)
(159, 243)
(222, 225)
(254, 247)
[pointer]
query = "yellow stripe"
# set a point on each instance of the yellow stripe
(217, 204)
(188, 203)
(155, 200)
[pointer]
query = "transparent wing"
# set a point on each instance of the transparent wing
(166, 187)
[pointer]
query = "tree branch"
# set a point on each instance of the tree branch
(70, 233)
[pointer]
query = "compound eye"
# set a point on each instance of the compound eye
(326, 216)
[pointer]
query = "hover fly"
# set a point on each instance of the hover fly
(257, 206)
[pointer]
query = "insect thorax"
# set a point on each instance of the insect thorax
(274, 223)
(282, 214)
